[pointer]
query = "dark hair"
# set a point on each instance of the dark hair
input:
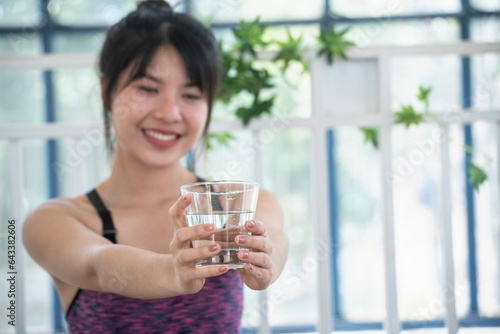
(136, 38)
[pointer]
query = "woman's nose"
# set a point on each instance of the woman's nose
(168, 109)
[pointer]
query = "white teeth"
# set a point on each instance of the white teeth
(160, 136)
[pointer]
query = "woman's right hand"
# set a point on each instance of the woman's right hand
(189, 278)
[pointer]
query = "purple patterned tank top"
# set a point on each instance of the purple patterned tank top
(216, 308)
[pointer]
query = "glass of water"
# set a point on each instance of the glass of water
(227, 205)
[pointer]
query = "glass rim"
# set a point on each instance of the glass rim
(254, 185)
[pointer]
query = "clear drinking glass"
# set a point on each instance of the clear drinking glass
(227, 205)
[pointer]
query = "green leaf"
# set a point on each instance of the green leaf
(476, 175)
(258, 108)
(290, 50)
(239, 75)
(333, 43)
(423, 93)
(371, 136)
(408, 116)
(249, 36)
(222, 138)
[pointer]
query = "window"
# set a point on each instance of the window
(284, 158)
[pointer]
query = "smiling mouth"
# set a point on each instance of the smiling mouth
(160, 136)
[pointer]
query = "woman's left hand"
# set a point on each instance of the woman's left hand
(258, 272)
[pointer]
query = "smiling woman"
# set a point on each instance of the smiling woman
(137, 39)
(120, 256)
(162, 110)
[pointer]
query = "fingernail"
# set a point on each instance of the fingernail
(250, 267)
(209, 227)
(244, 255)
(185, 197)
(241, 239)
(213, 247)
(251, 224)
(223, 269)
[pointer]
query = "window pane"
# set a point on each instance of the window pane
(38, 294)
(383, 8)
(486, 82)
(78, 96)
(38, 289)
(411, 32)
(360, 250)
(77, 90)
(485, 29)
(416, 207)
(486, 67)
(90, 42)
(287, 174)
(252, 309)
(22, 97)
(24, 13)
(20, 44)
(459, 219)
(486, 5)
(442, 73)
(104, 12)
(347, 87)
(487, 220)
(248, 10)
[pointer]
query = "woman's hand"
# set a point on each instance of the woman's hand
(190, 279)
(258, 272)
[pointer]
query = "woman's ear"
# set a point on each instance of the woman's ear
(105, 100)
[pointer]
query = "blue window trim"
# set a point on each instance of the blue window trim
(469, 191)
(464, 16)
(50, 117)
(334, 223)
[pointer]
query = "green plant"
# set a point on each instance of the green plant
(333, 43)
(371, 136)
(407, 115)
(477, 176)
(290, 51)
(244, 74)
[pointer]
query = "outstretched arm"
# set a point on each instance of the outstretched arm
(78, 256)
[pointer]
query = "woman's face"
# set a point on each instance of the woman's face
(158, 118)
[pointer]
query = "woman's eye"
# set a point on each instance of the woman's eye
(192, 96)
(148, 89)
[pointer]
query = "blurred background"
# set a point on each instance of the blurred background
(328, 180)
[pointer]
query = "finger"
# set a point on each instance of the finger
(189, 255)
(191, 277)
(184, 234)
(255, 242)
(256, 227)
(178, 210)
(258, 273)
(258, 259)
(208, 271)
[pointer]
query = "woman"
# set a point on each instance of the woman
(120, 256)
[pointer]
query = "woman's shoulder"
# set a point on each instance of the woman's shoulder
(64, 206)
(69, 209)
(55, 220)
